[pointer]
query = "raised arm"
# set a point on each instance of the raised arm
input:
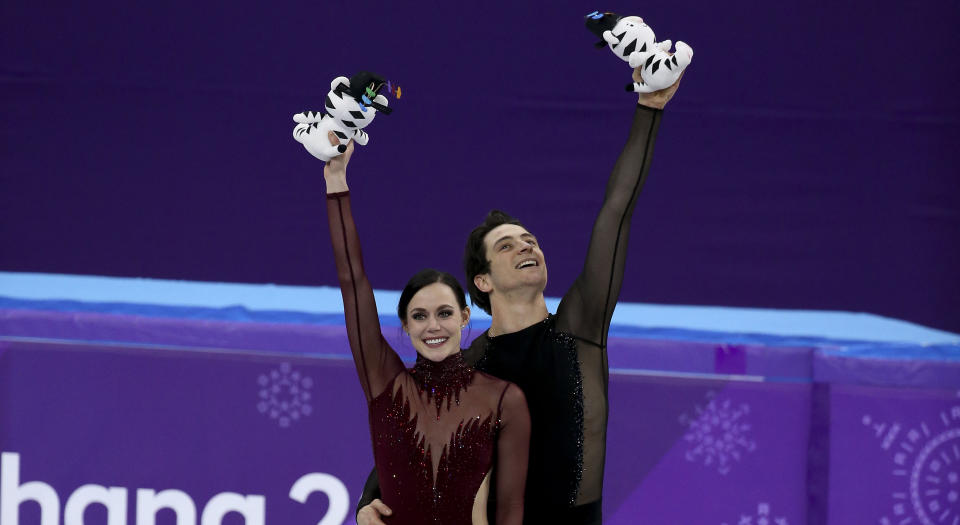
(376, 362)
(587, 307)
(513, 448)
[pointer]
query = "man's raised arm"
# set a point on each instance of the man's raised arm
(587, 307)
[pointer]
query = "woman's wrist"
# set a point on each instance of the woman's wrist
(336, 181)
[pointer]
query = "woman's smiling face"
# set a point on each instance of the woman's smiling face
(434, 321)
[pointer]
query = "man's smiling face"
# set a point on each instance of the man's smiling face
(515, 259)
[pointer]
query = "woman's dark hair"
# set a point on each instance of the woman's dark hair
(426, 277)
(475, 259)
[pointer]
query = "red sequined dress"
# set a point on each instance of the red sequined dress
(438, 427)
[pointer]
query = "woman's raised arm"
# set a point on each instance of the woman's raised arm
(376, 362)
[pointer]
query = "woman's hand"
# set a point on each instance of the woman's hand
(335, 170)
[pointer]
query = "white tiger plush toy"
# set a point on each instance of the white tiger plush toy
(350, 106)
(633, 41)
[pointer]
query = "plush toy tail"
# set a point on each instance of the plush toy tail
(300, 130)
(360, 137)
(637, 87)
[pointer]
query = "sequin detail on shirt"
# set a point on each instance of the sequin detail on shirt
(547, 371)
(443, 380)
(569, 344)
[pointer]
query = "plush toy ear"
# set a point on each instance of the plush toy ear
(609, 38)
(380, 99)
(340, 80)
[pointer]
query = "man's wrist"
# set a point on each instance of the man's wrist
(653, 102)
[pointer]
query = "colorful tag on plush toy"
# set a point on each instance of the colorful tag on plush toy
(634, 42)
(349, 107)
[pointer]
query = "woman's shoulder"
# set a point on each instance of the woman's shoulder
(493, 382)
(485, 378)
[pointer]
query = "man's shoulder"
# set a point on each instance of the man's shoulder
(476, 350)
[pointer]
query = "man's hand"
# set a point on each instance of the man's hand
(335, 170)
(656, 99)
(371, 514)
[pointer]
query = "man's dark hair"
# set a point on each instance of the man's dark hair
(475, 259)
(423, 278)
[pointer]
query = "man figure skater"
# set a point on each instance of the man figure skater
(558, 360)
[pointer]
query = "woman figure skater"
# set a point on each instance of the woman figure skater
(437, 428)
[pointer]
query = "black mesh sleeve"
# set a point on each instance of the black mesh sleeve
(586, 309)
(371, 491)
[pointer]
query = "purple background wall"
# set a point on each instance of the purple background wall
(808, 160)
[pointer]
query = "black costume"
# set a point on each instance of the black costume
(561, 362)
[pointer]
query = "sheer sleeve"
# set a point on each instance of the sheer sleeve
(376, 362)
(586, 309)
(513, 447)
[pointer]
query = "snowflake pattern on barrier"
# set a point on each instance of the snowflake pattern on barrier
(284, 395)
(926, 465)
(718, 433)
(763, 517)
